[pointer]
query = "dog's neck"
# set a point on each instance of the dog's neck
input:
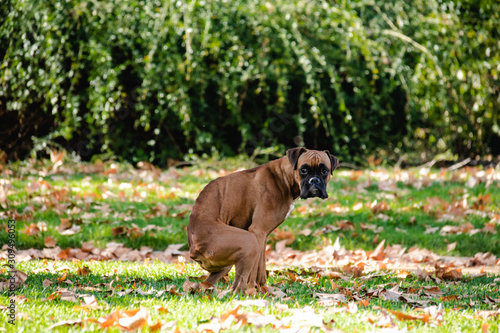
(291, 187)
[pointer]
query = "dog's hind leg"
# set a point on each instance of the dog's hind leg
(222, 246)
(215, 276)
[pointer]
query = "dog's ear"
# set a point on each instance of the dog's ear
(293, 155)
(333, 161)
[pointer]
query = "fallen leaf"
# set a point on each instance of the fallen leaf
(62, 277)
(83, 270)
(379, 254)
(17, 279)
(32, 230)
(330, 299)
(450, 247)
(76, 322)
(448, 273)
(273, 291)
(50, 241)
(46, 283)
(161, 309)
(126, 319)
(134, 319)
(191, 287)
(355, 270)
(404, 316)
(56, 156)
(384, 320)
(449, 298)
(64, 254)
(156, 327)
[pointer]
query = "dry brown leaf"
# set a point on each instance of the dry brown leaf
(378, 254)
(384, 320)
(77, 322)
(71, 231)
(56, 156)
(391, 295)
(134, 319)
(156, 327)
(352, 307)
(62, 277)
(161, 309)
(126, 319)
(345, 225)
(273, 291)
(83, 270)
(207, 287)
(50, 241)
(379, 207)
(46, 283)
(18, 278)
(403, 274)
(432, 290)
(451, 246)
(488, 313)
(67, 295)
(32, 230)
(64, 254)
(3, 194)
(65, 224)
(363, 303)
(430, 230)
(88, 246)
(448, 273)
(491, 300)
(460, 229)
(280, 235)
(356, 270)
(449, 298)
(191, 287)
(89, 303)
(119, 231)
(330, 299)
(404, 316)
(489, 227)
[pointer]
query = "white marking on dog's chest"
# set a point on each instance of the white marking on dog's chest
(290, 209)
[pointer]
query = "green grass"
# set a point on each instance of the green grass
(99, 202)
(188, 311)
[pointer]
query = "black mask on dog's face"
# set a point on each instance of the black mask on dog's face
(312, 171)
(313, 180)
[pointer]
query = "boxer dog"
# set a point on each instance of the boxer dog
(234, 214)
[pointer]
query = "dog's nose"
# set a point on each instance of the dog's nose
(314, 181)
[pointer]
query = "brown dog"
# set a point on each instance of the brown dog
(233, 215)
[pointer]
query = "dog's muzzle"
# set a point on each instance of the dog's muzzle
(315, 188)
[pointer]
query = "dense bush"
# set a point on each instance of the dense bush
(152, 80)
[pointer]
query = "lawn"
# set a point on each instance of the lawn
(103, 247)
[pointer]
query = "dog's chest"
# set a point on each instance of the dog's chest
(290, 209)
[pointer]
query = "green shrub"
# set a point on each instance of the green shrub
(153, 80)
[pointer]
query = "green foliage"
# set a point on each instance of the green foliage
(153, 80)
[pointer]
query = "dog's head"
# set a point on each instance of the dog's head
(312, 170)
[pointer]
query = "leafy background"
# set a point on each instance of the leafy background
(165, 80)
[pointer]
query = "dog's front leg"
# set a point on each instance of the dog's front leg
(266, 218)
(259, 275)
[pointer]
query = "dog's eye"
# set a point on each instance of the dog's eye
(324, 172)
(303, 171)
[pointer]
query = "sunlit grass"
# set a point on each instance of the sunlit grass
(101, 202)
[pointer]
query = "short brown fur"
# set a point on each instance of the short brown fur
(233, 216)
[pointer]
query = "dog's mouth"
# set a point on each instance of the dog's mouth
(313, 192)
